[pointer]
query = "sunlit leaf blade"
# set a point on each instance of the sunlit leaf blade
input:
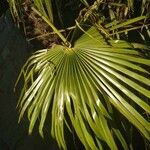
(130, 21)
(85, 82)
(121, 139)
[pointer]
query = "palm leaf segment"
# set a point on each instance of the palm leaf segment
(87, 81)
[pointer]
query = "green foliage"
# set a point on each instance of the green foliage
(96, 84)
(45, 8)
(87, 81)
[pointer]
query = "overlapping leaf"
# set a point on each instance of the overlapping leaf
(87, 81)
(45, 8)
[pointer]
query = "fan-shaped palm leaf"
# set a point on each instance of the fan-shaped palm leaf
(87, 81)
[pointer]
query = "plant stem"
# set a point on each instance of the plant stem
(50, 33)
(52, 26)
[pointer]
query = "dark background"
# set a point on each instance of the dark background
(14, 50)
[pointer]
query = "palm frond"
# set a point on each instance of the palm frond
(85, 2)
(45, 8)
(16, 9)
(88, 82)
